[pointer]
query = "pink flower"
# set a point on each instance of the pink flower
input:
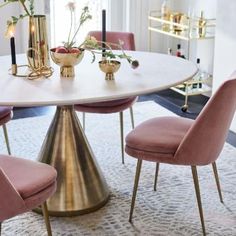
(71, 6)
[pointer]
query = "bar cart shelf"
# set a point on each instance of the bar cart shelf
(185, 28)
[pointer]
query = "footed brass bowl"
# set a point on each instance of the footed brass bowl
(67, 61)
(109, 67)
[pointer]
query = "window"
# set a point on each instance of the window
(60, 19)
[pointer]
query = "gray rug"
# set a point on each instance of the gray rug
(172, 210)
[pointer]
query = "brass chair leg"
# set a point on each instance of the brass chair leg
(6, 138)
(46, 218)
(122, 137)
(217, 180)
(83, 114)
(156, 176)
(198, 195)
(132, 116)
(136, 180)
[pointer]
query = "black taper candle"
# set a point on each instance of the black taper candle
(104, 31)
(13, 50)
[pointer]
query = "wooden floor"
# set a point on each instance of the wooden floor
(167, 98)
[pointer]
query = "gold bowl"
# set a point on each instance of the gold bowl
(109, 67)
(67, 61)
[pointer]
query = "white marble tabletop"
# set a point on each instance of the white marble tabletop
(156, 72)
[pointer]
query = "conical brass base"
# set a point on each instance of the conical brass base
(81, 187)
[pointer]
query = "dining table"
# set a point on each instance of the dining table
(81, 185)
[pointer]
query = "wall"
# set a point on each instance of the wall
(6, 13)
(21, 34)
(225, 45)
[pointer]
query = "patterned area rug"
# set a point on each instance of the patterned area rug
(171, 210)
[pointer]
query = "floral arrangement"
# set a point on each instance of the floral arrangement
(28, 6)
(94, 46)
(69, 46)
(90, 43)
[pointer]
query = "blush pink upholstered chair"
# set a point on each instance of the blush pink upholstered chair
(24, 185)
(5, 116)
(180, 141)
(116, 105)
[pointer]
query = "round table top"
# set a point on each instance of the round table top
(156, 72)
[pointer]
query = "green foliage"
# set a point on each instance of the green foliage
(29, 11)
(96, 47)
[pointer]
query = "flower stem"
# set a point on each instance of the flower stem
(71, 25)
(25, 8)
(75, 33)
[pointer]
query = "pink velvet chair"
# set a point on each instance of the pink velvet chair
(116, 105)
(181, 141)
(5, 116)
(24, 185)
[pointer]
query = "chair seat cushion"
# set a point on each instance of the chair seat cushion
(5, 114)
(106, 107)
(28, 177)
(5, 111)
(160, 136)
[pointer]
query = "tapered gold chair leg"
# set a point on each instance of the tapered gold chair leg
(217, 180)
(132, 116)
(6, 138)
(136, 181)
(122, 137)
(46, 218)
(156, 176)
(198, 195)
(83, 118)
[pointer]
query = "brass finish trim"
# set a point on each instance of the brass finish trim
(122, 137)
(132, 116)
(6, 138)
(14, 69)
(136, 181)
(156, 176)
(198, 196)
(46, 218)
(83, 117)
(217, 181)
(81, 187)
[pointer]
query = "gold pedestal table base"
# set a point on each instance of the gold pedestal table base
(81, 187)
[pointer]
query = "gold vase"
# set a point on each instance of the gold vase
(38, 53)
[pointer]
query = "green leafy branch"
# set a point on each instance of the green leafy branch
(29, 11)
(96, 47)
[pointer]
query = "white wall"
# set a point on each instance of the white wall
(21, 34)
(225, 44)
(6, 13)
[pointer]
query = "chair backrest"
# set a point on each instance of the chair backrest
(11, 202)
(114, 37)
(205, 139)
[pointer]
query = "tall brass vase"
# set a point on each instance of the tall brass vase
(38, 53)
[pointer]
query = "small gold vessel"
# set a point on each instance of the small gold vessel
(67, 61)
(109, 67)
(178, 18)
(202, 26)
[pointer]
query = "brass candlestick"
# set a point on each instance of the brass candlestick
(14, 69)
